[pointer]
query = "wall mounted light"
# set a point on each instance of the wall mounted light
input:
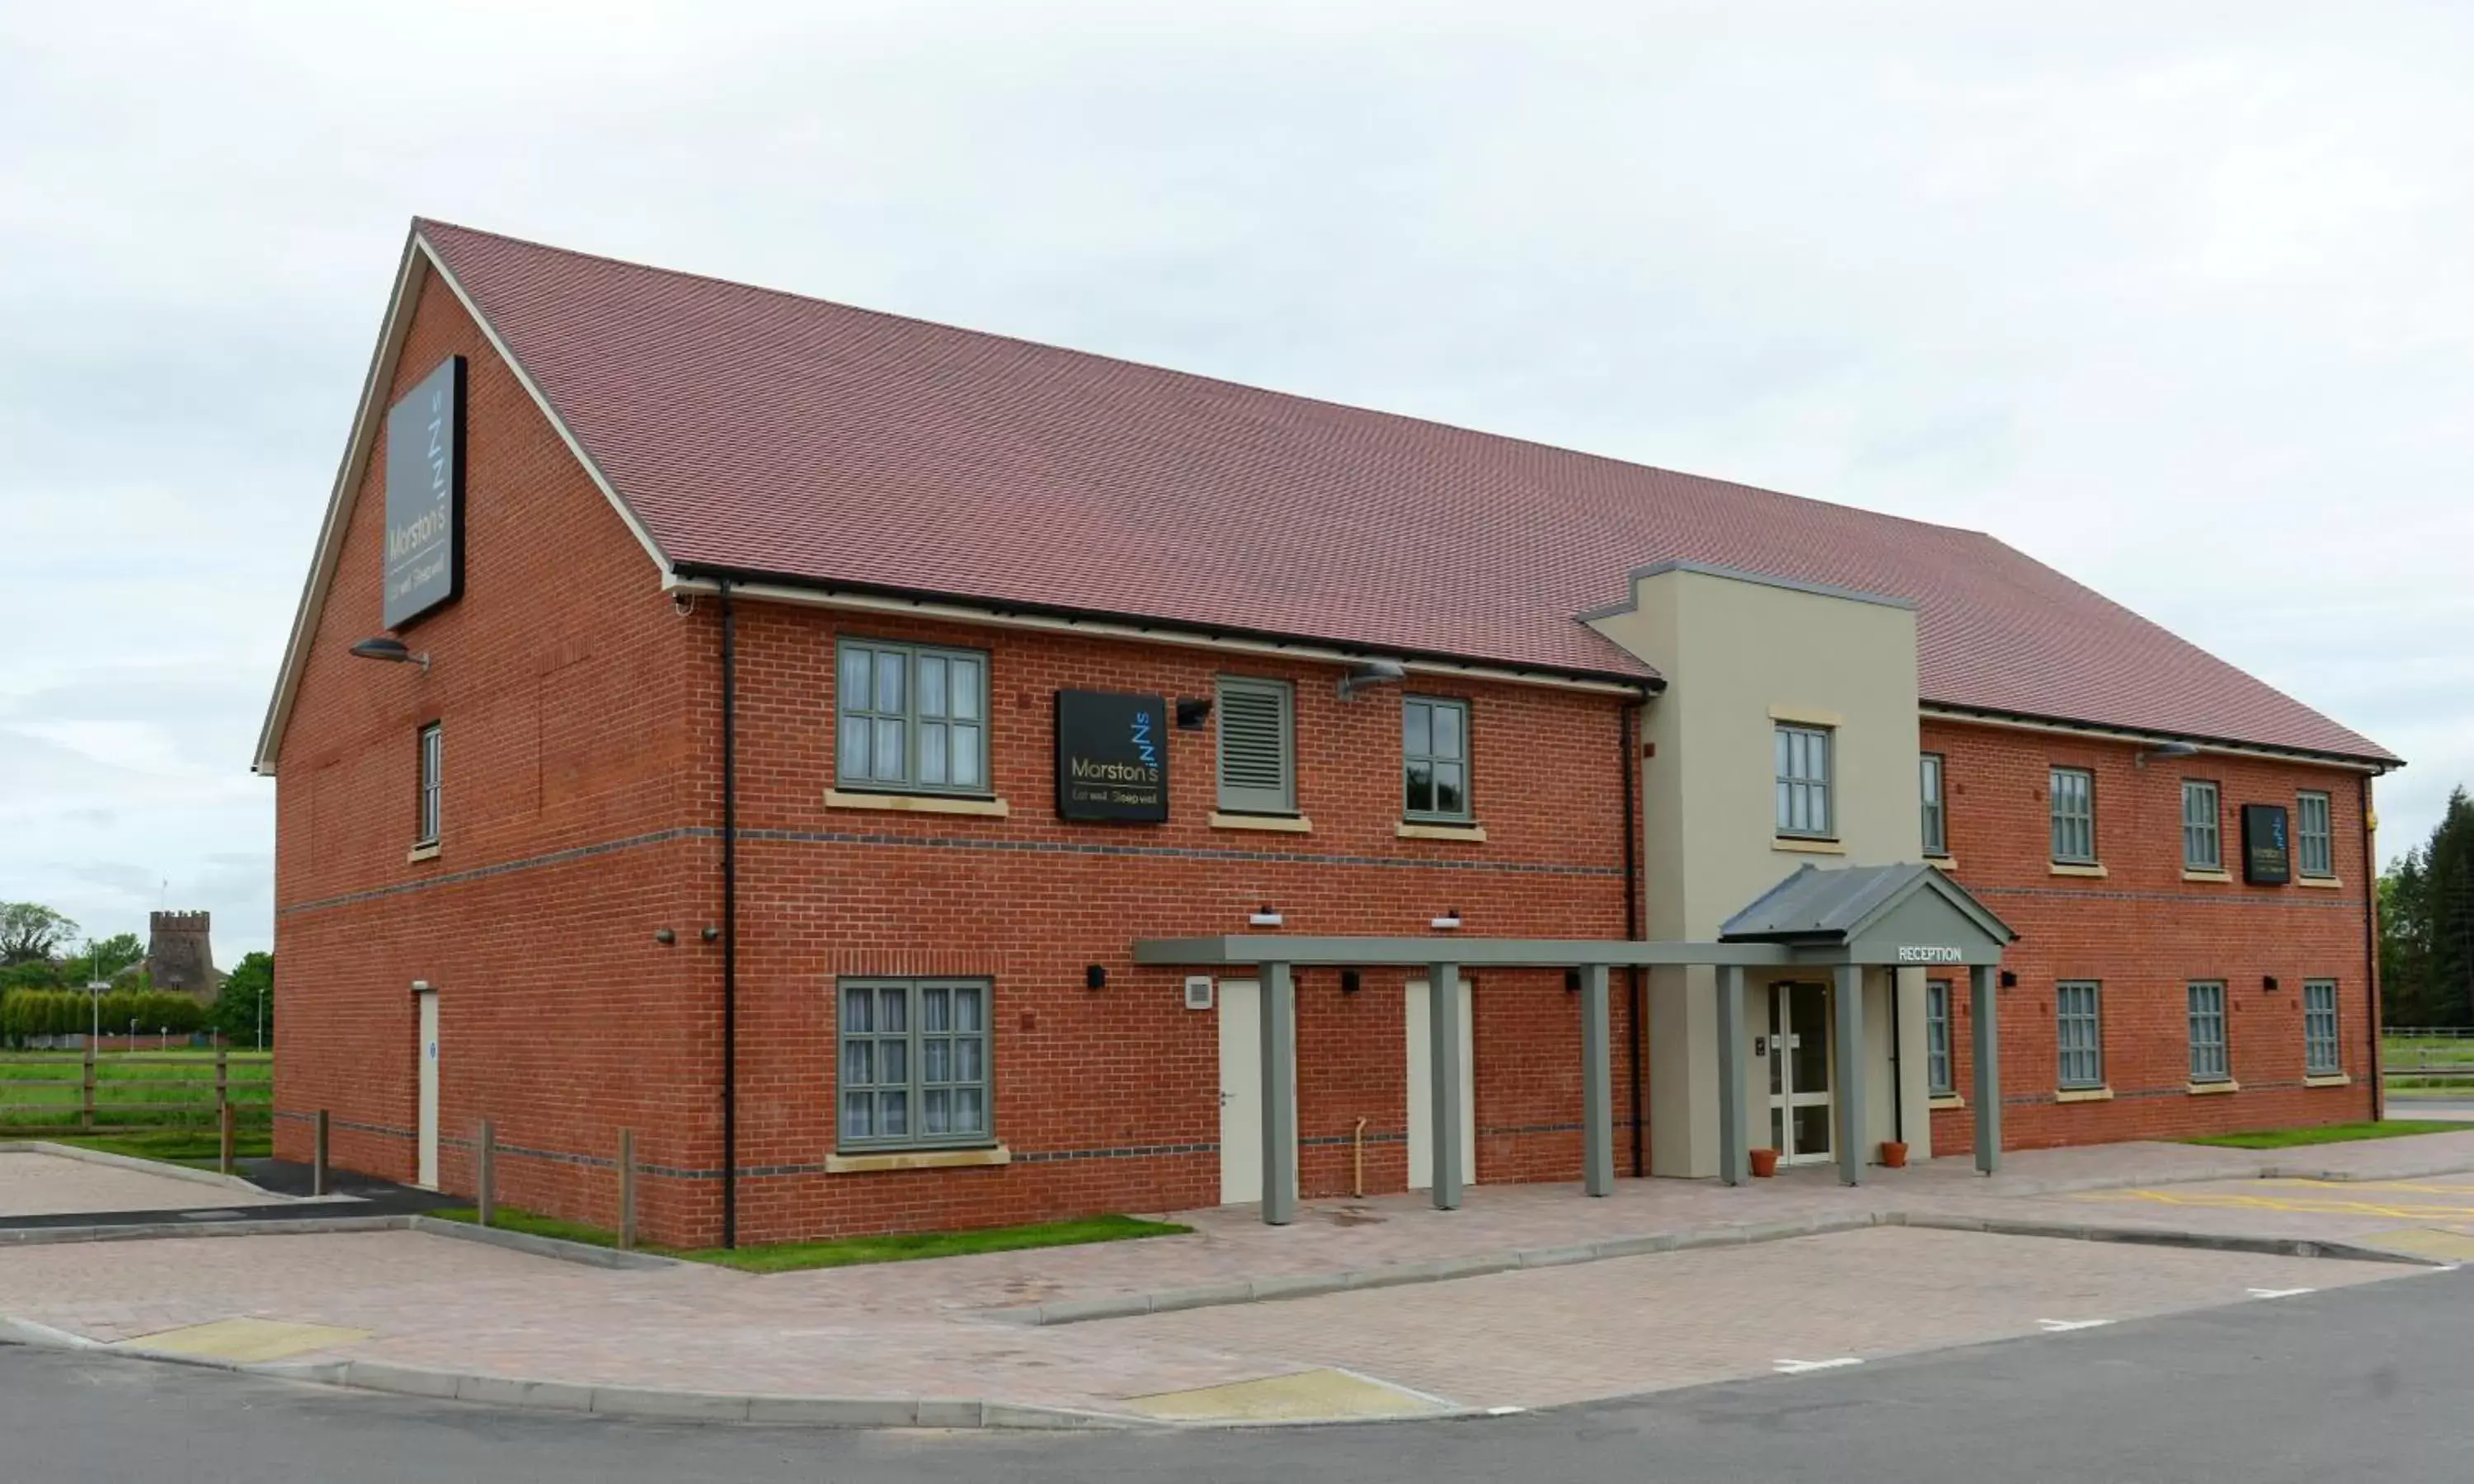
(711, 934)
(2168, 750)
(379, 646)
(1193, 712)
(1263, 917)
(1350, 983)
(1367, 673)
(665, 937)
(2268, 982)
(2009, 980)
(1450, 918)
(1095, 976)
(1571, 981)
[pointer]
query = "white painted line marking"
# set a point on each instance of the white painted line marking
(1505, 1411)
(2066, 1326)
(2280, 1293)
(1799, 1367)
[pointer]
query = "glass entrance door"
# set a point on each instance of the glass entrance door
(1802, 1119)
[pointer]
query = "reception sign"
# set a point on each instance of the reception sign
(425, 495)
(1111, 756)
(2267, 850)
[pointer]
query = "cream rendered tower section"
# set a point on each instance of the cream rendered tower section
(1741, 653)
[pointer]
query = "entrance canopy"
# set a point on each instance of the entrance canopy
(1845, 920)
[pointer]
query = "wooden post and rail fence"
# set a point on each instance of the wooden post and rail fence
(46, 1095)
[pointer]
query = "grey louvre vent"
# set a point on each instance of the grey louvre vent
(1256, 753)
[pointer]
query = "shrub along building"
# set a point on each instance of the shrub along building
(918, 779)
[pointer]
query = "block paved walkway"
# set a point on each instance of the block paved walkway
(45, 1185)
(1518, 1338)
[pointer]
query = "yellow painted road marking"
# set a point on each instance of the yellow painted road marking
(1303, 1396)
(2393, 1210)
(2423, 1243)
(246, 1340)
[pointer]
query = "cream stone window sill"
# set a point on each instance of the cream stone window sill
(2065, 869)
(1795, 847)
(2211, 1089)
(1283, 824)
(1806, 716)
(2328, 1080)
(2225, 876)
(422, 852)
(2319, 883)
(917, 804)
(2084, 1095)
(917, 1159)
(1942, 863)
(1942, 1101)
(1474, 834)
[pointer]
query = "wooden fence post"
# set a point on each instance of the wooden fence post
(487, 1194)
(318, 1157)
(223, 1113)
(626, 1189)
(85, 1113)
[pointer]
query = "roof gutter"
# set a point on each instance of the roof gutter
(2054, 726)
(698, 576)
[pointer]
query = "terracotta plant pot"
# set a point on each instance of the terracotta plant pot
(1764, 1163)
(1894, 1155)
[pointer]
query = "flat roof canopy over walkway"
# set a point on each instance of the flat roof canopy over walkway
(1846, 920)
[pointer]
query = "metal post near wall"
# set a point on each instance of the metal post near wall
(1597, 1094)
(1279, 1020)
(626, 1189)
(1735, 1159)
(1850, 1074)
(1985, 1022)
(1443, 1064)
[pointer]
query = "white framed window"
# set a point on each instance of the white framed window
(1435, 758)
(910, 718)
(2314, 835)
(2208, 1059)
(1937, 819)
(2321, 1052)
(433, 785)
(2202, 828)
(1938, 1076)
(1803, 782)
(914, 1068)
(2078, 1034)
(2072, 791)
(1258, 745)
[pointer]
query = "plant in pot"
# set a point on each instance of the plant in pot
(1894, 1154)
(1764, 1163)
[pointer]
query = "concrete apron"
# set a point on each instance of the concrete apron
(1316, 1397)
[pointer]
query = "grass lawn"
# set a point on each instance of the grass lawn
(44, 1089)
(199, 1147)
(2330, 1134)
(846, 1252)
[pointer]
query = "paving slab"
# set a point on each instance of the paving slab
(38, 1184)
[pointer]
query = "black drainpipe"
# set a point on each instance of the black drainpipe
(729, 921)
(1631, 913)
(2371, 952)
(1898, 1087)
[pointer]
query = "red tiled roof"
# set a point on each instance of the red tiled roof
(757, 430)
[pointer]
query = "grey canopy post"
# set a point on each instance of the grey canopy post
(1849, 1073)
(1733, 1160)
(1597, 1098)
(1443, 1066)
(1280, 1097)
(1986, 1018)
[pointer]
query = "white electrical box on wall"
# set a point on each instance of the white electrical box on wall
(1198, 992)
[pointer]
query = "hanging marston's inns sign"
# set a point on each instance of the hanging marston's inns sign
(425, 495)
(1111, 756)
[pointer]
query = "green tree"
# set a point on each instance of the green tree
(2427, 925)
(30, 931)
(104, 958)
(36, 974)
(236, 1008)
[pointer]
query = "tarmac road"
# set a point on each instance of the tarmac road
(2353, 1384)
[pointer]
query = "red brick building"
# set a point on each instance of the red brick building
(718, 790)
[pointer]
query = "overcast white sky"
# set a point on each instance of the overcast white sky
(2174, 296)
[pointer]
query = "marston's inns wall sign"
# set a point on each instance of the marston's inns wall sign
(1111, 756)
(425, 495)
